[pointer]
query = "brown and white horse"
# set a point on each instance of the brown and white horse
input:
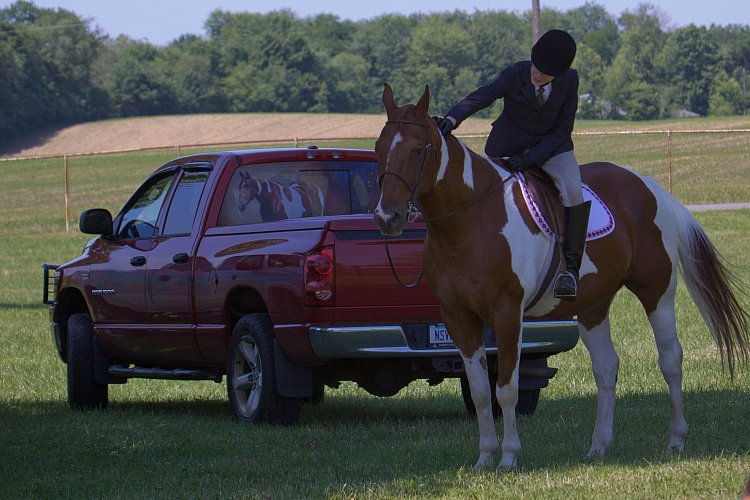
(278, 202)
(483, 256)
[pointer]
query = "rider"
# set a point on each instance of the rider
(534, 129)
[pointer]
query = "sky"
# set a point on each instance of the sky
(161, 21)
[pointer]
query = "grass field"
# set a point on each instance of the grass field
(178, 439)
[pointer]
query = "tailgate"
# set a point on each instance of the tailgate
(366, 289)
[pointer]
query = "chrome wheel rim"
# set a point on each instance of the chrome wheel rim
(247, 377)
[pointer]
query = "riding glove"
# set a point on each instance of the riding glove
(519, 163)
(445, 126)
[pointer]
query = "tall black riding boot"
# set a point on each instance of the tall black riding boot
(574, 242)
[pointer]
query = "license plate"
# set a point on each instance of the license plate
(439, 336)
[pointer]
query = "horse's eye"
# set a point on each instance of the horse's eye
(418, 151)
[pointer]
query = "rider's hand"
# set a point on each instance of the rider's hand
(445, 125)
(519, 163)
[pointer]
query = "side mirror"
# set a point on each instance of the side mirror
(95, 221)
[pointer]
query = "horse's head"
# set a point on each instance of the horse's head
(406, 156)
(249, 189)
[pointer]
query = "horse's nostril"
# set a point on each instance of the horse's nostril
(396, 218)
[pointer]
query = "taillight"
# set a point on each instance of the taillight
(319, 283)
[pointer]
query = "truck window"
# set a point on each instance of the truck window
(274, 191)
(140, 216)
(184, 203)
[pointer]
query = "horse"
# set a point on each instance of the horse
(483, 256)
(277, 202)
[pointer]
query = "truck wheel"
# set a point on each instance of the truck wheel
(251, 378)
(83, 390)
(528, 399)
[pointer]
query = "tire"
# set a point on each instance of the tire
(84, 392)
(251, 376)
(528, 399)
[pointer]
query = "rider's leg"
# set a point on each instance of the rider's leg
(566, 174)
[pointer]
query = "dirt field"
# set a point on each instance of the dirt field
(183, 130)
(144, 132)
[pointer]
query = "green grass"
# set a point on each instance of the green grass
(178, 439)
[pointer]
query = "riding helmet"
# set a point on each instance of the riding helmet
(554, 52)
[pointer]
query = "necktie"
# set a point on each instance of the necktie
(540, 97)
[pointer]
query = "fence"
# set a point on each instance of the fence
(697, 166)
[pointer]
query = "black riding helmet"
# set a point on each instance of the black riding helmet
(554, 52)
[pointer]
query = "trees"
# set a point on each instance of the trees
(47, 57)
(133, 81)
(688, 63)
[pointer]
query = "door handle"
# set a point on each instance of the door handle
(138, 261)
(180, 258)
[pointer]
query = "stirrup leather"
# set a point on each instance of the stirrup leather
(566, 286)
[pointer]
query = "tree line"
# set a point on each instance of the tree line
(55, 67)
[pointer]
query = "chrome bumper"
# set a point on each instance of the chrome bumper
(542, 337)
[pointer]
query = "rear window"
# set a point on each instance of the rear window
(275, 191)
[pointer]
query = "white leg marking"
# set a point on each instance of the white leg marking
(479, 383)
(664, 325)
(507, 397)
(604, 364)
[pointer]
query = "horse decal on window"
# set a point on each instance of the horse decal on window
(277, 202)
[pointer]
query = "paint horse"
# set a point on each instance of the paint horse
(277, 202)
(484, 254)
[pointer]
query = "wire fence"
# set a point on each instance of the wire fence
(697, 166)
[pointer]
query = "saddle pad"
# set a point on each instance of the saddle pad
(601, 221)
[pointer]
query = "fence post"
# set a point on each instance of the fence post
(178, 150)
(669, 158)
(67, 201)
(296, 142)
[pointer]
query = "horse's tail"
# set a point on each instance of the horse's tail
(711, 285)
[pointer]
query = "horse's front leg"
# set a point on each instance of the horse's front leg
(507, 326)
(466, 331)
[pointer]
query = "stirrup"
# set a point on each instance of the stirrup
(566, 286)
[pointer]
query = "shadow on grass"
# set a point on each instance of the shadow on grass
(561, 427)
(345, 446)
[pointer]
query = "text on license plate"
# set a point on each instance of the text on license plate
(439, 335)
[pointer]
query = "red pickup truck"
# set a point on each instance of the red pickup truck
(265, 266)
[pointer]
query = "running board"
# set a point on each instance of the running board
(164, 374)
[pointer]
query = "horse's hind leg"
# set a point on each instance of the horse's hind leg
(664, 325)
(595, 334)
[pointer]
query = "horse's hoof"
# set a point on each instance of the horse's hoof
(676, 446)
(507, 468)
(595, 454)
(484, 463)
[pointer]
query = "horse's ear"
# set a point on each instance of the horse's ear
(424, 102)
(388, 102)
